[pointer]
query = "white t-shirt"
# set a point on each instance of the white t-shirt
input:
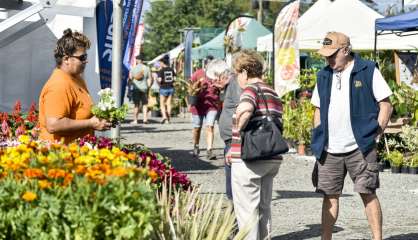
(341, 137)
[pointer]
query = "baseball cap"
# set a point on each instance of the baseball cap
(332, 42)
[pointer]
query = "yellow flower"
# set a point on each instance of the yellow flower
(29, 196)
(25, 139)
(73, 147)
(84, 149)
(105, 153)
(43, 184)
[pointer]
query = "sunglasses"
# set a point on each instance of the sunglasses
(82, 58)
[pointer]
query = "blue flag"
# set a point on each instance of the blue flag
(131, 16)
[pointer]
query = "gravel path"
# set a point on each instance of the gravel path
(296, 208)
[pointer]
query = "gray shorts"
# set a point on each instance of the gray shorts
(329, 173)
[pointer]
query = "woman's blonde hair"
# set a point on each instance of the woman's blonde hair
(250, 61)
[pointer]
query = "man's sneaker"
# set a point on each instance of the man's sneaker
(210, 155)
(196, 151)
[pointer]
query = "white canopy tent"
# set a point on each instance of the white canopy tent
(27, 45)
(173, 53)
(351, 17)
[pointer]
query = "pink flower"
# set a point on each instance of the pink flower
(5, 128)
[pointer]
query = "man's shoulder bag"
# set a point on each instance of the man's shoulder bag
(262, 139)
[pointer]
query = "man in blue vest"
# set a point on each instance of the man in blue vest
(352, 110)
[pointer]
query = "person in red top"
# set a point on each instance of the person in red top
(205, 110)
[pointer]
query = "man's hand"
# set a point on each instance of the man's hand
(100, 124)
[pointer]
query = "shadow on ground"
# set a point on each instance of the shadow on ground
(302, 194)
(408, 236)
(313, 230)
(185, 161)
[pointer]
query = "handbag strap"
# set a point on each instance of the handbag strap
(263, 98)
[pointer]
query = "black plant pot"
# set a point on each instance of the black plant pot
(192, 100)
(381, 166)
(405, 169)
(395, 169)
(413, 170)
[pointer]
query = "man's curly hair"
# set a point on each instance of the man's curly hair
(69, 43)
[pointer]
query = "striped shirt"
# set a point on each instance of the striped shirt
(251, 95)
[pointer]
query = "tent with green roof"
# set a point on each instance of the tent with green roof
(215, 47)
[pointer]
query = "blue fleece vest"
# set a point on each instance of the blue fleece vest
(363, 107)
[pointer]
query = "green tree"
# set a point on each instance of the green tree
(166, 18)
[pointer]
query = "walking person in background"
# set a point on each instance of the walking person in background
(140, 79)
(65, 103)
(252, 182)
(205, 110)
(166, 78)
(352, 110)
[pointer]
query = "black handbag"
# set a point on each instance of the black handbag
(262, 139)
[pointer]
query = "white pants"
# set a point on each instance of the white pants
(252, 186)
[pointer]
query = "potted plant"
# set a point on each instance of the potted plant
(303, 124)
(396, 161)
(413, 167)
(193, 90)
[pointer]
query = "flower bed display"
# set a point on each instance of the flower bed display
(91, 189)
(17, 123)
(95, 188)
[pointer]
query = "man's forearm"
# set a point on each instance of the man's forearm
(384, 113)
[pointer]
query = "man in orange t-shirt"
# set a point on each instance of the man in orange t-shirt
(65, 103)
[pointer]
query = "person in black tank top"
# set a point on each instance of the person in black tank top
(166, 78)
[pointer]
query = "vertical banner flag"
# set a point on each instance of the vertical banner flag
(286, 50)
(233, 41)
(137, 46)
(188, 41)
(131, 16)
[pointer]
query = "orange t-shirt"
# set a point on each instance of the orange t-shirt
(64, 96)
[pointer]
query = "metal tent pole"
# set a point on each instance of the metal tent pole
(117, 58)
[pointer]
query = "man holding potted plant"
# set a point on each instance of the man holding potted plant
(352, 110)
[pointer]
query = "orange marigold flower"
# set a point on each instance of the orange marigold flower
(132, 156)
(119, 172)
(29, 196)
(44, 149)
(68, 179)
(43, 184)
(3, 174)
(153, 175)
(80, 169)
(56, 173)
(33, 173)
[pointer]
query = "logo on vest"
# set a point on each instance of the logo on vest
(357, 84)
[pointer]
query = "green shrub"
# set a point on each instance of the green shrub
(123, 208)
(395, 158)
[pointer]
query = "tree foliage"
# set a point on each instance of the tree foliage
(166, 19)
